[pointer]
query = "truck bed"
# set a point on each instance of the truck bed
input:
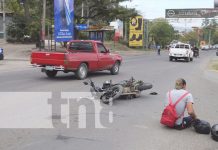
(48, 58)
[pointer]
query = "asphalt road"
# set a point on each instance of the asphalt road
(135, 123)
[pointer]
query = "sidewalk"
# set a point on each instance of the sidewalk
(21, 52)
(16, 51)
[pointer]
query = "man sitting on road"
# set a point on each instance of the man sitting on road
(185, 101)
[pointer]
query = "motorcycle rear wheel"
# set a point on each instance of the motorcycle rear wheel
(144, 86)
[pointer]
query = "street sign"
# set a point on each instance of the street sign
(81, 26)
(191, 13)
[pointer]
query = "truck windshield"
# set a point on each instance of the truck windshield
(81, 46)
(186, 47)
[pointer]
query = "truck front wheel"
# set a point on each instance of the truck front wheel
(115, 69)
(187, 59)
(82, 71)
(51, 74)
(170, 58)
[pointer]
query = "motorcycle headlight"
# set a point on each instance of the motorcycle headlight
(106, 84)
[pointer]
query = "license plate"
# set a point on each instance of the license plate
(49, 68)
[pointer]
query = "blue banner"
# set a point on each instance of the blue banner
(64, 20)
(81, 26)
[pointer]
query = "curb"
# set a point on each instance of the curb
(16, 59)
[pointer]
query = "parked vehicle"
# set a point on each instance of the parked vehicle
(80, 57)
(1, 54)
(215, 46)
(206, 47)
(181, 51)
(127, 88)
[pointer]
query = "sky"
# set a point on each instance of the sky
(151, 9)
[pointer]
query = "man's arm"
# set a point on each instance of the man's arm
(191, 111)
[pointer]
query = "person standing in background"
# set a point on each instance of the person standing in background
(158, 49)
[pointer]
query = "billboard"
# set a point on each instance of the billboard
(215, 3)
(136, 31)
(64, 20)
(191, 13)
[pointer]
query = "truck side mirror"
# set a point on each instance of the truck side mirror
(108, 51)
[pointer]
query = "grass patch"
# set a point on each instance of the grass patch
(116, 46)
(213, 65)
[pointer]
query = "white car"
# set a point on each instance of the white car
(181, 51)
(206, 47)
(215, 46)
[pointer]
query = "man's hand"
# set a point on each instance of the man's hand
(191, 111)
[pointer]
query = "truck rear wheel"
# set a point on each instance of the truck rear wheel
(144, 86)
(115, 69)
(82, 71)
(51, 74)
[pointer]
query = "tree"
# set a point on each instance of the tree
(101, 11)
(215, 38)
(22, 25)
(161, 32)
(190, 37)
(209, 29)
(27, 15)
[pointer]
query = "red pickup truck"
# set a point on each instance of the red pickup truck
(80, 57)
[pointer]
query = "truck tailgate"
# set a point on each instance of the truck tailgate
(48, 58)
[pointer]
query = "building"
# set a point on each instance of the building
(8, 16)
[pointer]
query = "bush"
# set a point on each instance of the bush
(20, 31)
(122, 41)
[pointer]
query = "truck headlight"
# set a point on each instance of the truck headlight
(1, 50)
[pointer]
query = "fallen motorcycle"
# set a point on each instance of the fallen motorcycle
(127, 88)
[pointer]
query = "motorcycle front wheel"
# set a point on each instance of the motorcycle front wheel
(113, 94)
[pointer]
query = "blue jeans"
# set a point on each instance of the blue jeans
(186, 123)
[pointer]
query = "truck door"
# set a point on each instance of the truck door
(105, 59)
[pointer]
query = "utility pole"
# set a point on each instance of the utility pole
(87, 5)
(43, 25)
(82, 10)
(147, 34)
(197, 30)
(209, 40)
(4, 20)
